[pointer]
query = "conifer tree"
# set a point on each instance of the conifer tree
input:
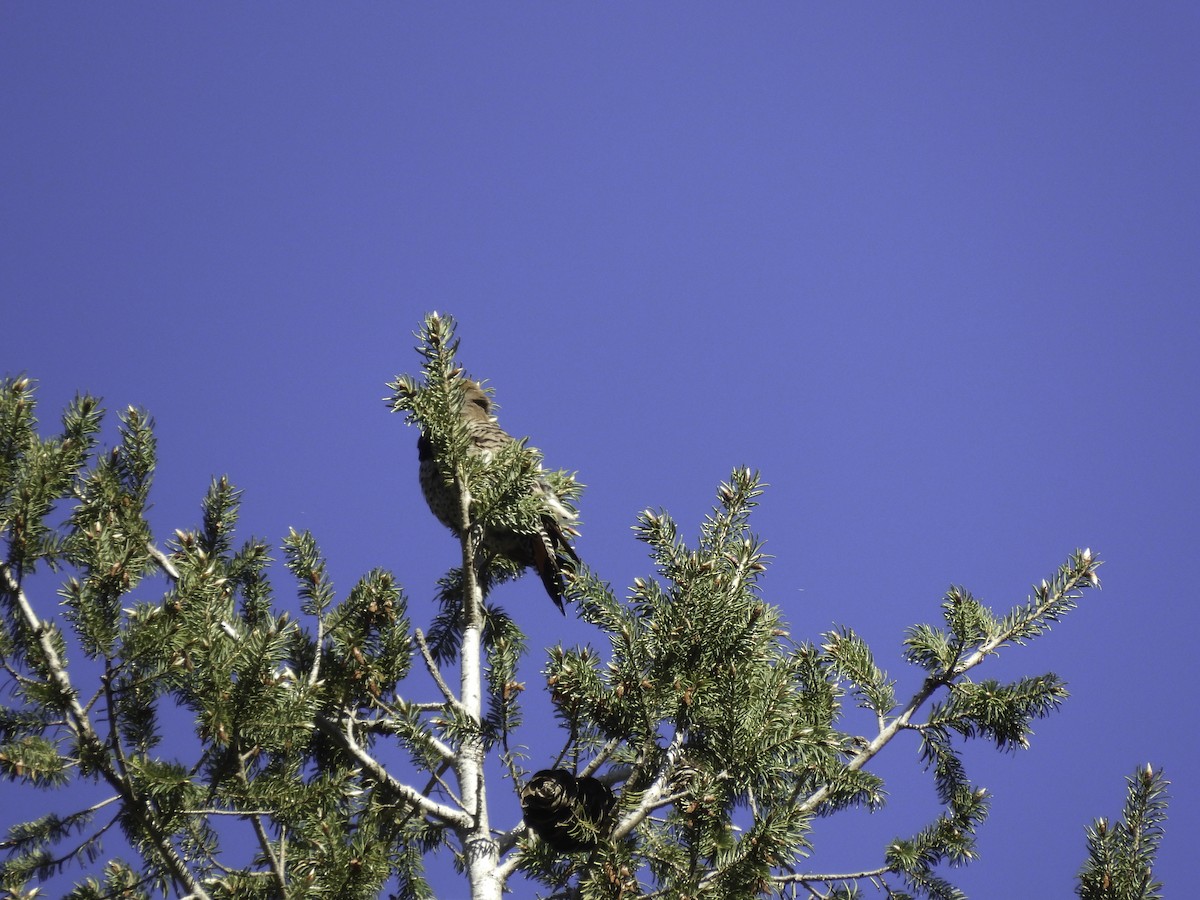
(701, 744)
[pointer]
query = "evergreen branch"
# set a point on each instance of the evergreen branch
(264, 840)
(409, 729)
(655, 795)
(24, 680)
(852, 659)
(881, 740)
(442, 749)
(50, 863)
(99, 692)
(416, 707)
(114, 735)
(1051, 602)
(510, 765)
(56, 828)
(433, 782)
(438, 811)
(275, 861)
(568, 743)
(999, 711)
(1121, 855)
(81, 726)
(437, 779)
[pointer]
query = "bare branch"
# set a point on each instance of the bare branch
(264, 840)
(435, 674)
(655, 795)
(829, 879)
(439, 811)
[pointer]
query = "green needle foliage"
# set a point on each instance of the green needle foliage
(700, 743)
(1120, 859)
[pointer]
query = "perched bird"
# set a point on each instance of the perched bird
(547, 549)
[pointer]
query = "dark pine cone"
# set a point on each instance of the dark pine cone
(567, 812)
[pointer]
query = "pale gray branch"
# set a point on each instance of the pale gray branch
(656, 794)
(440, 811)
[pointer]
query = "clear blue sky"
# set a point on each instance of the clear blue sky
(933, 269)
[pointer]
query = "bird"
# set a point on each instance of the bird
(547, 549)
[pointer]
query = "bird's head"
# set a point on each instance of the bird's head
(476, 403)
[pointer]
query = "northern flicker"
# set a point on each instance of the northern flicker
(547, 550)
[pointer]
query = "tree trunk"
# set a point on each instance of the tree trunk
(479, 847)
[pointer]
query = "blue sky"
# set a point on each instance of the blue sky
(932, 269)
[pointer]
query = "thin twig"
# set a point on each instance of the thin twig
(164, 561)
(437, 675)
(260, 832)
(315, 672)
